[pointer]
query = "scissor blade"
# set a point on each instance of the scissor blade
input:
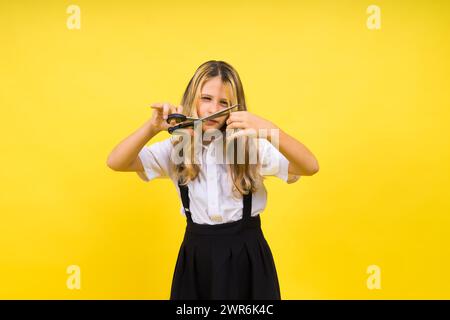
(218, 113)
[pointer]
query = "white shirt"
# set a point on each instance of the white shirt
(210, 193)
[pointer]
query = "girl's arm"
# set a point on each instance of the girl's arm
(301, 160)
(124, 157)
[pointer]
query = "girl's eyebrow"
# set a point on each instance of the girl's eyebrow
(205, 94)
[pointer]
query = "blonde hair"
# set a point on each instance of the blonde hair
(245, 176)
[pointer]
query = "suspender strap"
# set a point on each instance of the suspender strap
(184, 192)
(247, 209)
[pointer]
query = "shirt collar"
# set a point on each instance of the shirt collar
(214, 142)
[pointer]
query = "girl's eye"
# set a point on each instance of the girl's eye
(224, 103)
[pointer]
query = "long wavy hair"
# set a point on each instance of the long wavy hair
(244, 174)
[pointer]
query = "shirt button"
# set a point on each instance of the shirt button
(216, 218)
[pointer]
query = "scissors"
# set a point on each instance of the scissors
(179, 117)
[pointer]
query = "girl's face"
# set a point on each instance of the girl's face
(214, 96)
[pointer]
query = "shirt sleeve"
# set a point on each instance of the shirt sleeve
(155, 159)
(274, 163)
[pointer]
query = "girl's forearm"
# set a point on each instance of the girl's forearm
(128, 149)
(301, 160)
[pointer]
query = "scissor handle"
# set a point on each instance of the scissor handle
(179, 117)
(179, 126)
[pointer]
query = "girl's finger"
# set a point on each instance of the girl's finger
(156, 106)
(236, 115)
(240, 133)
(237, 125)
(173, 109)
(232, 118)
(165, 110)
(180, 109)
(158, 109)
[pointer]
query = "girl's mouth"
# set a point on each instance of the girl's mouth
(211, 122)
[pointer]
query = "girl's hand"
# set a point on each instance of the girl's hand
(249, 122)
(160, 113)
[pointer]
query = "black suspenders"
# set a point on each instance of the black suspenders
(184, 191)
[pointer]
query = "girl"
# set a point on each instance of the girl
(224, 254)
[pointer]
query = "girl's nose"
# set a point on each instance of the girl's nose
(214, 107)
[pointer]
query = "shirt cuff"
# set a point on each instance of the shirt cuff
(284, 171)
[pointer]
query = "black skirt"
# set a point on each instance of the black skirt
(224, 261)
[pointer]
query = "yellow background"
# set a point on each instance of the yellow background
(372, 105)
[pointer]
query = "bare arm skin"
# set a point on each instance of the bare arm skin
(301, 160)
(124, 156)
